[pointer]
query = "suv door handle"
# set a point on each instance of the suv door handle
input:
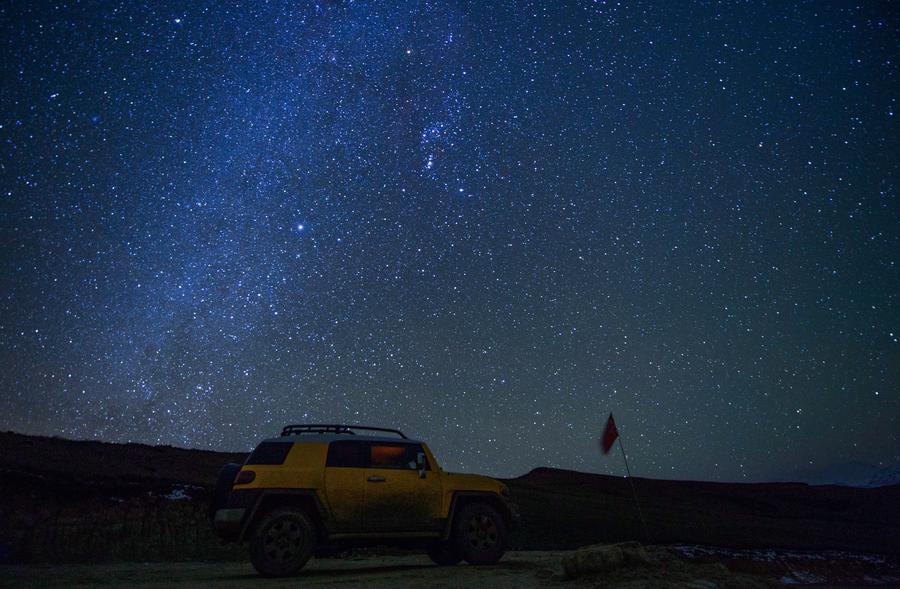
(375, 479)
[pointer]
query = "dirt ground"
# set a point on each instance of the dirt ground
(516, 570)
(668, 567)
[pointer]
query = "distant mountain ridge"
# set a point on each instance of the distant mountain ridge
(850, 474)
(885, 477)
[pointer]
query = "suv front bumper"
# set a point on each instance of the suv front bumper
(515, 517)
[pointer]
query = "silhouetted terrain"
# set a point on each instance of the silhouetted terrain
(565, 509)
(87, 501)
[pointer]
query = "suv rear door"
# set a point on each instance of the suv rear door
(345, 476)
(397, 499)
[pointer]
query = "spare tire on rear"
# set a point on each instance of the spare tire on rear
(222, 490)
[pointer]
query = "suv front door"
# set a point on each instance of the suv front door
(398, 499)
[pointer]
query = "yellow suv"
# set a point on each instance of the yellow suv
(319, 489)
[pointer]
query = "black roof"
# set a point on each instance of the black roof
(341, 429)
(326, 433)
(328, 438)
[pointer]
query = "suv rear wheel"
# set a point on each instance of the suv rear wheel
(282, 543)
(479, 534)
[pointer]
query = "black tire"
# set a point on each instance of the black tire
(282, 543)
(222, 490)
(479, 534)
(443, 554)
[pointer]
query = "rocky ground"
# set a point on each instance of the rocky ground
(657, 567)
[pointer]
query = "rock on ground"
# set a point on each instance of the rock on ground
(601, 558)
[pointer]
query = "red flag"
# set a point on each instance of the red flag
(610, 434)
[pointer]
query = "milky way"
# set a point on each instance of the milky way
(488, 225)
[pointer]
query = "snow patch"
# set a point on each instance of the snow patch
(181, 492)
(801, 578)
(775, 554)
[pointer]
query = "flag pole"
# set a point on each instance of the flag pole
(633, 492)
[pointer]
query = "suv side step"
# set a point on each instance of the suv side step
(376, 535)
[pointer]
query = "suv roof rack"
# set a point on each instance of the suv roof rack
(319, 428)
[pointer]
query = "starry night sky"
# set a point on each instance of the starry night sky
(488, 225)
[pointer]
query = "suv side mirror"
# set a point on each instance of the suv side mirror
(421, 464)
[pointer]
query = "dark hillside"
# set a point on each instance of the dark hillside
(568, 509)
(113, 464)
(81, 501)
(67, 500)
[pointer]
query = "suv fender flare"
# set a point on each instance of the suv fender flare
(461, 498)
(284, 497)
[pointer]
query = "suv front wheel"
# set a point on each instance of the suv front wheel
(479, 534)
(282, 543)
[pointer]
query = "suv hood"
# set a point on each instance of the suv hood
(473, 482)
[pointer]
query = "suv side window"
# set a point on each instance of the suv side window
(269, 453)
(387, 455)
(346, 455)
